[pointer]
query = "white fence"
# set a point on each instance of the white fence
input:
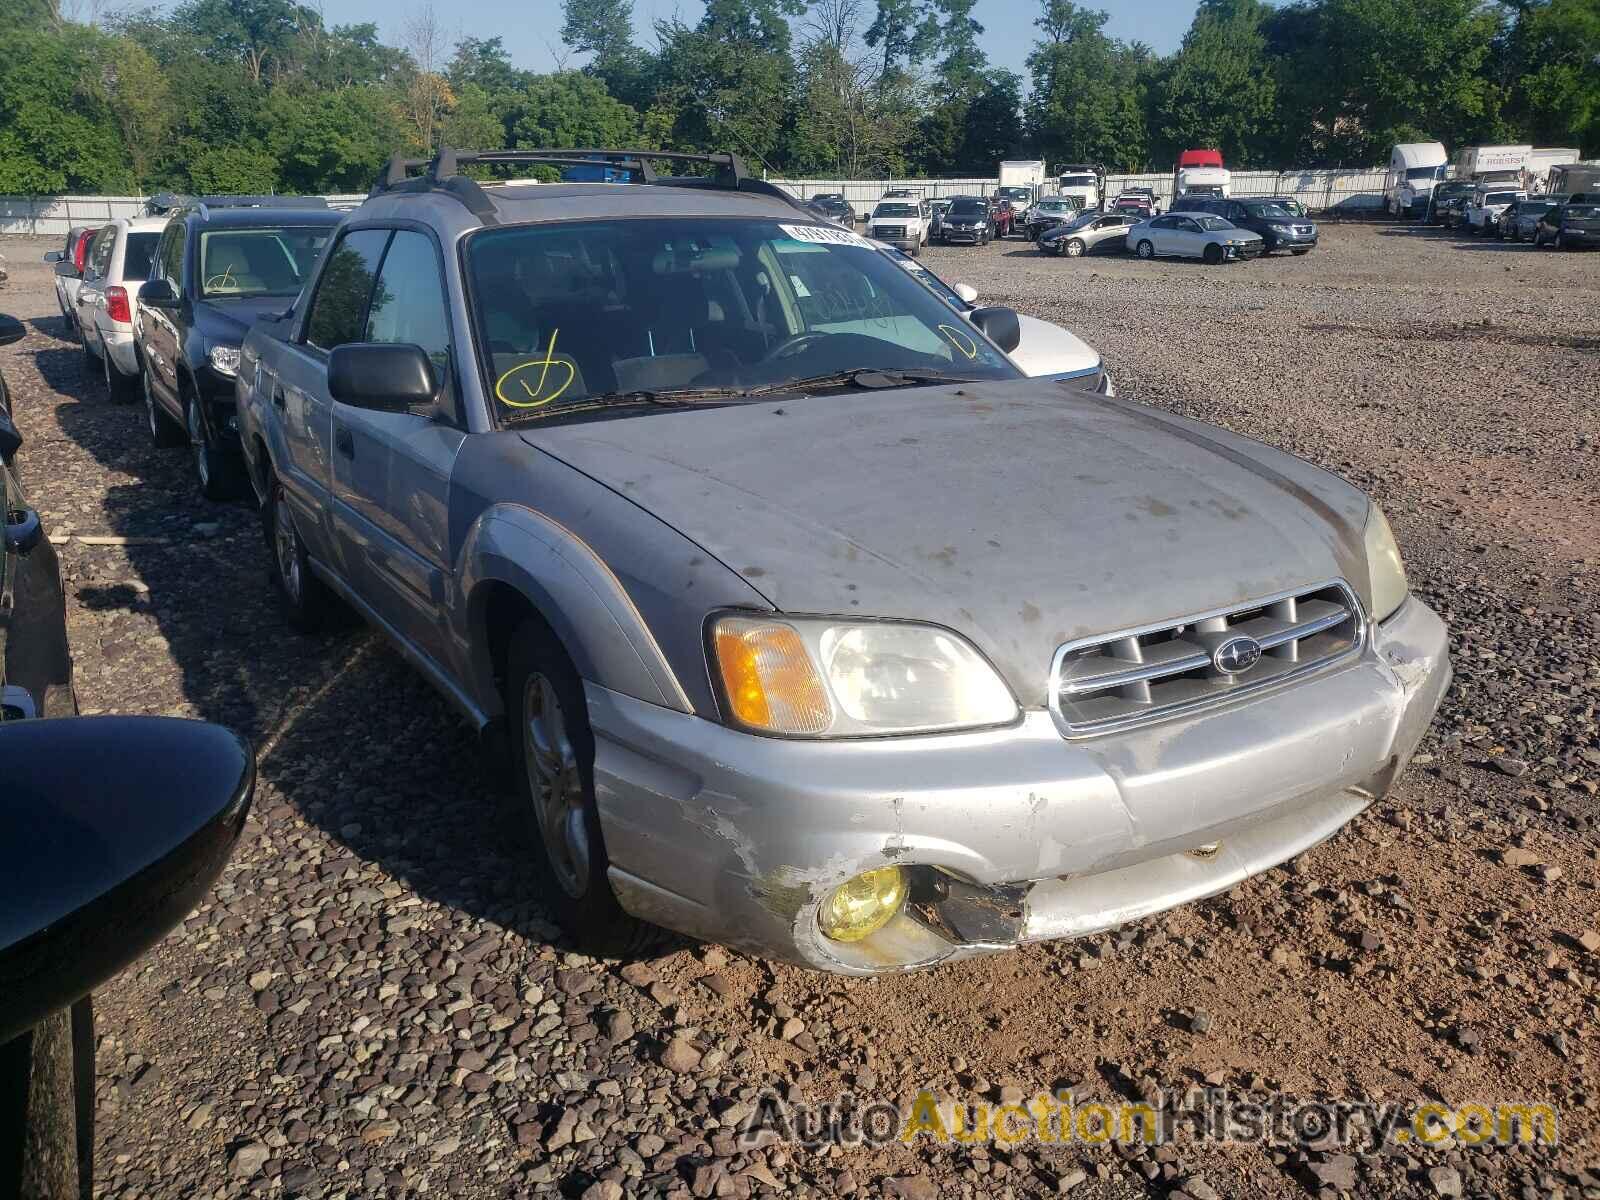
(1320, 190)
(52, 216)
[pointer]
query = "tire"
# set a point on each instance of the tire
(119, 388)
(552, 761)
(306, 599)
(1212, 254)
(165, 433)
(91, 365)
(1075, 248)
(1145, 249)
(218, 477)
(1561, 241)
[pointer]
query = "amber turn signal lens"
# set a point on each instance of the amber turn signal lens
(768, 677)
(861, 906)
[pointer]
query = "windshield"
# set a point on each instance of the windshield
(968, 208)
(1057, 206)
(1499, 197)
(136, 258)
(569, 312)
(895, 210)
(1584, 212)
(1423, 172)
(1077, 181)
(1213, 223)
(1014, 193)
(926, 278)
(1267, 210)
(258, 261)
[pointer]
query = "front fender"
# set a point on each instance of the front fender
(573, 589)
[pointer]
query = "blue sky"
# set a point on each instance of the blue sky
(530, 28)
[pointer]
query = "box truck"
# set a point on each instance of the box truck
(1021, 182)
(1492, 164)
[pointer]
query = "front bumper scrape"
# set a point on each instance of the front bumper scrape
(1011, 835)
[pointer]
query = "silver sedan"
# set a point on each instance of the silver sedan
(1194, 235)
(1092, 233)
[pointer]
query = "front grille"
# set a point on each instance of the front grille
(889, 230)
(1302, 231)
(1113, 682)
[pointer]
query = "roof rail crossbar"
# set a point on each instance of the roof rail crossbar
(255, 201)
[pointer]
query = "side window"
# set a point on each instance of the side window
(100, 252)
(172, 257)
(341, 300)
(408, 303)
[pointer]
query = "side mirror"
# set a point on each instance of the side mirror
(386, 376)
(98, 866)
(54, 256)
(10, 437)
(11, 330)
(1000, 325)
(158, 293)
(66, 270)
(967, 292)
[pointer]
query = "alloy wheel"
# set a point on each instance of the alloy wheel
(1074, 249)
(286, 544)
(555, 785)
(197, 440)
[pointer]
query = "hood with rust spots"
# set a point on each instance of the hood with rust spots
(1021, 513)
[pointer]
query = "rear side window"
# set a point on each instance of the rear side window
(408, 303)
(341, 300)
(100, 251)
(136, 258)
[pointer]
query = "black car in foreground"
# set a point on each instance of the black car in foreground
(1572, 225)
(98, 861)
(216, 269)
(1279, 228)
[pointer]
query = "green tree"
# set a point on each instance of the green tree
(57, 133)
(1220, 91)
(601, 28)
(255, 33)
(569, 108)
(1556, 57)
(906, 31)
(221, 170)
(330, 141)
(1088, 98)
(723, 93)
(962, 62)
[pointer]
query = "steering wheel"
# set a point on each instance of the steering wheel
(793, 345)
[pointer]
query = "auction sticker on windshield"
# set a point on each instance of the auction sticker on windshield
(825, 233)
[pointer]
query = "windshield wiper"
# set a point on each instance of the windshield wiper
(863, 377)
(667, 398)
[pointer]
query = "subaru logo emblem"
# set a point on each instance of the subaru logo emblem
(1236, 655)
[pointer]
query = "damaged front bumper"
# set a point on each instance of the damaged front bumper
(1010, 835)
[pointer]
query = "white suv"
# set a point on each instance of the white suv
(117, 263)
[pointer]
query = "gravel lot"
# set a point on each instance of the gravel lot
(373, 1005)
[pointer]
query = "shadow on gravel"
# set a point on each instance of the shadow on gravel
(346, 734)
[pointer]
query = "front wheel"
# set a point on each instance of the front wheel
(1075, 248)
(218, 477)
(1212, 254)
(306, 599)
(164, 431)
(1145, 249)
(552, 757)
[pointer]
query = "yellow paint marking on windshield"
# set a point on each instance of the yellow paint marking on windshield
(960, 341)
(546, 389)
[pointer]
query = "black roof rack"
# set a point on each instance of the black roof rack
(442, 172)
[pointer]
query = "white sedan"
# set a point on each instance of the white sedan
(1045, 351)
(1194, 235)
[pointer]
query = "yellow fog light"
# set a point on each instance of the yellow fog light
(863, 905)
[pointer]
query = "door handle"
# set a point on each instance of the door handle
(344, 442)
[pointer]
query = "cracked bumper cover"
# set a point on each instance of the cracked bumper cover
(737, 838)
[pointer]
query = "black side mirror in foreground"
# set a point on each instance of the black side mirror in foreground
(158, 293)
(387, 376)
(111, 830)
(1001, 326)
(10, 438)
(11, 330)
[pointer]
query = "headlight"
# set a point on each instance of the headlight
(225, 360)
(1384, 568)
(813, 677)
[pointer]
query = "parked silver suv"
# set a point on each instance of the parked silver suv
(810, 625)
